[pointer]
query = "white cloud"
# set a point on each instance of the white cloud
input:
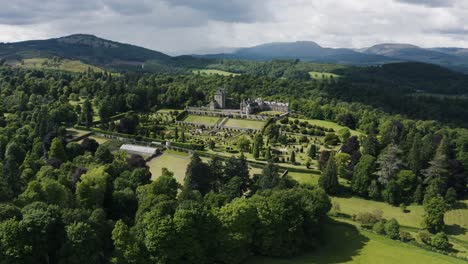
(187, 25)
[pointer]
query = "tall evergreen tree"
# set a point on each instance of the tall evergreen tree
(293, 157)
(436, 175)
(57, 151)
(389, 163)
(87, 112)
(312, 153)
(197, 176)
(415, 161)
(270, 177)
(329, 179)
(362, 175)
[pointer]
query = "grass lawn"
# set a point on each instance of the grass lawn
(177, 163)
(356, 205)
(328, 124)
(306, 178)
(457, 224)
(345, 244)
(174, 161)
(323, 75)
(244, 123)
(76, 132)
(65, 65)
(207, 120)
(214, 72)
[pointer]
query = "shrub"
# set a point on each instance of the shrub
(367, 220)
(379, 227)
(406, 236)
(392, 229)
(440, 241)
(425, 237)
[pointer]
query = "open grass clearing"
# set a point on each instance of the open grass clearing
(214, 72)
(305, 178)
(208, 120)
(199, 119)
(65, 65)
(354, 205)
(323, 75)
(177, 163)
(344, 243)
(328, 124)
(244, 123)
(457, 223)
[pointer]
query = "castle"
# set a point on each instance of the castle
(219, 101)
(247, 107)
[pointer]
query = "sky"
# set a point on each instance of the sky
(197, 26)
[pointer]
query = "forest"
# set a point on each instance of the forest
(70, 202)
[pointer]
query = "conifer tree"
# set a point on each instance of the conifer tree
(57, 151)
(293, 157)
(329, 179)
(312, 151)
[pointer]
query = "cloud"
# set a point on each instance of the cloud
(430, 3)
(183, 26)
(247, 11)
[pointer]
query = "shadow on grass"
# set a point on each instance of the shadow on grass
(341, 242)
(460, 205)
(455, 229)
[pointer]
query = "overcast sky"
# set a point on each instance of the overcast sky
(184, 26)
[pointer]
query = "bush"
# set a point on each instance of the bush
(367, 220)
(392, 229)
(440, 241)
(406, 236)
(379, 227)
(425, 237)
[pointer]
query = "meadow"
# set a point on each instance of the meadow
(177, 163)
(344, 243)
(322, 75)
(244, 123)
(214, 72)
(64, 65)
(199, 119)
(328, 124)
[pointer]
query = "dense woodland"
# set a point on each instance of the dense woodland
(72, 203)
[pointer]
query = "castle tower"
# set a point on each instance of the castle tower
(220, 98)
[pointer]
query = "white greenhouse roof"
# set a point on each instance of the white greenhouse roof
(139, 149)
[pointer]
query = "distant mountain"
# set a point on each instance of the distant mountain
(99, 52)
(455, 58)
(87, 48)
(304, 50)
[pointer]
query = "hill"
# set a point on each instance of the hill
(93, 50)
(454, 58)
(304, 50)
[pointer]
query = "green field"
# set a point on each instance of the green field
(214, 72)
(345, 244)
(328, 124)
(64, 65)
(456, 220)
(306, 178)
(244, 123)
(199, 119)
(176, 162)
(356, 205)
(323, 75)
(457, 224)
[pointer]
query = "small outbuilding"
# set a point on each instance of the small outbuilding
(140, 150)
